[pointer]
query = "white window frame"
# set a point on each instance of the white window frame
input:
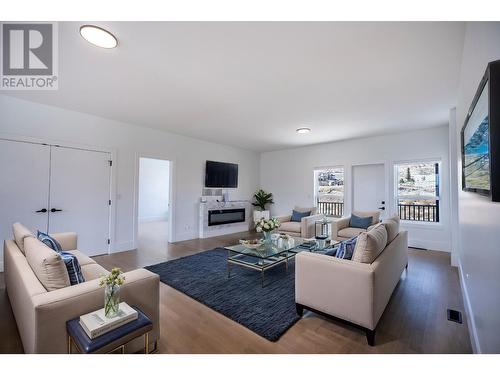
(436, 198)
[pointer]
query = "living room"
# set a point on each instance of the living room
(317, 195)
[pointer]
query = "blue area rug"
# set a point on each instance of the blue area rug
(268, 311)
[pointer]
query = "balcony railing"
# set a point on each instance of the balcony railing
(419, 212)
(331, 208)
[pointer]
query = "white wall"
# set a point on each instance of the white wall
(154, 189)
(288, 174)
(479, 218)
(188, 155)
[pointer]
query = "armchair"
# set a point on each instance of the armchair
(305, 228)
(342, 231)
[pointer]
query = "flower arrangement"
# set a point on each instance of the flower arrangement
(269, 225)
(113, 278)
(112, 281)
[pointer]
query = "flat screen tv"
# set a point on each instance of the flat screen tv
(221, 175)
(481, 137)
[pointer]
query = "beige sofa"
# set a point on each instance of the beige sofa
(349, 290)
(342, 231)
(41, 315)
(305, 228)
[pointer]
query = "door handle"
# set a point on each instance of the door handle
(54, 210)
(381, 208)
(42, 210)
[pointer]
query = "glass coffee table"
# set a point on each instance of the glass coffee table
(261, 258)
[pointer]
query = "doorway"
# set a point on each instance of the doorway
(153, 206)
(369, 188)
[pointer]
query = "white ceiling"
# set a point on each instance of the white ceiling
(252, 84)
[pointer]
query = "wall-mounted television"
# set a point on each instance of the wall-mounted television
(481, 137)
(221, 175)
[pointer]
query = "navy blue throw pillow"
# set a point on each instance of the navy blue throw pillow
(360, 222)
(297, 216)
(49, 241)
(346, 248)
(73, 266)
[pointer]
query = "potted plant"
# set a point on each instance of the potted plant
(262, 198)
(112, 283)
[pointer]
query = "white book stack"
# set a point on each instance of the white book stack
(96, 324)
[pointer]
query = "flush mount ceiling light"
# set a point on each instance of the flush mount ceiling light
(98, 36)
(303, 130)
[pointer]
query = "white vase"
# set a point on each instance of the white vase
(257, 215)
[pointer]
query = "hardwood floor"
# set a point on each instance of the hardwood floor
(413, 322)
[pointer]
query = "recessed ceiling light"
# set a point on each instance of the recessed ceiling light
(98, 36)
(303, 130)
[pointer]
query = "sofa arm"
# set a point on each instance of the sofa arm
(339, 225)
(53, 309)
(67, 240)
(338, 287)
(307, 229)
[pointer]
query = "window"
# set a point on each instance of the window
(329, 191)
(417, 192)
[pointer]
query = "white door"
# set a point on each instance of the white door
(80, 189)
(368, 182)
(24, 186)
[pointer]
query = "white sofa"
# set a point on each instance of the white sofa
(349, 290)
(305, 228)
(41, 315)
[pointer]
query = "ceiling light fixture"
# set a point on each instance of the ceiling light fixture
(303, 130)
(98, 36)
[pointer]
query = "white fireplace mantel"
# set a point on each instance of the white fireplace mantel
(206, 231)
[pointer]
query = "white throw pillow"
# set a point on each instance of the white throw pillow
(392, 227)
(370, 244)
(47, 264)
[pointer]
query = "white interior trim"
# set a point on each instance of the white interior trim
(476, 348)
(171, 210)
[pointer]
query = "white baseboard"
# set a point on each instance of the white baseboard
(184, 236)
(476, 348)
(429, 245)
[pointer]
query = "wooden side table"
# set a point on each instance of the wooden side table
(113, 340)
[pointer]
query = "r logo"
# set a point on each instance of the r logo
(27, 49)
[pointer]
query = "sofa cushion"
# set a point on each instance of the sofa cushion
(349, 232)
(360, 222)
(73, 267)
(374, 214)
(290, 226)
(93, 271)
(49, 241)
(311, 210)
(297, 216)
(47, 265)
(392, 227)
(370, 244)
(20, 232)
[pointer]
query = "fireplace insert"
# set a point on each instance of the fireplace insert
(226, 216)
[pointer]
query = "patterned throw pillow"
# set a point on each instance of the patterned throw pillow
(73, 266)
(346, 248)
(49, 241)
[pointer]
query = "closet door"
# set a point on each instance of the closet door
(79, 197)
(24, 187)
